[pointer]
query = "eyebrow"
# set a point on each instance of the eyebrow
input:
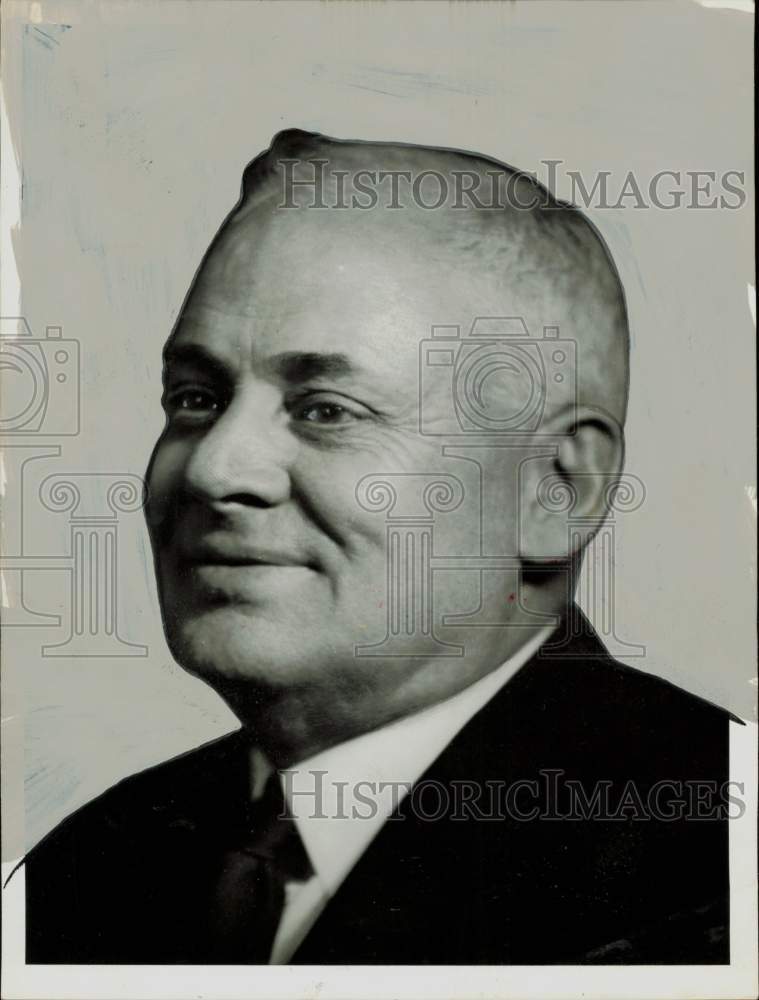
(193, 354)
(291, 366)
(297, 366)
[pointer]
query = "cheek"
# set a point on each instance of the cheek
(328, 489)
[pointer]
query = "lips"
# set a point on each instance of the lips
(232, 552)
(227, 571)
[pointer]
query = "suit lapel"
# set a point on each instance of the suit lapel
(434, 886)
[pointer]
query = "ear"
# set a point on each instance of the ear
(564, 497)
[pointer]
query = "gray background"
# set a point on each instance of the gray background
(131, 123)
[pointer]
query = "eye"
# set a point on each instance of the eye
(321, 413)
(327, 411)
(191, 403)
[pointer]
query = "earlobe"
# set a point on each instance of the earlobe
(565, 496)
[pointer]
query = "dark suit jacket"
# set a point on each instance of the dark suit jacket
(126, 878)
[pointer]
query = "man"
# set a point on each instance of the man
(350, 370)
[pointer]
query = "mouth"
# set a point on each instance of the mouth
(211, 576)
(195, 562)
(233, 555)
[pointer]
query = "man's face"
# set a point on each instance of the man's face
(293, 374)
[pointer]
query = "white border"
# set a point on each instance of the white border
(738, 980)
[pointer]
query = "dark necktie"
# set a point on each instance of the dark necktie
(249, 894)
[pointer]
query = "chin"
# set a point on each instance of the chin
(226, 646)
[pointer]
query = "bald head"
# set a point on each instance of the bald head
(458, 223)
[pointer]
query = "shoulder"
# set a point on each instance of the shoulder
(113, 882)
(179, 790)
(574, 703)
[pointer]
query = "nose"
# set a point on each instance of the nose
(245, 456)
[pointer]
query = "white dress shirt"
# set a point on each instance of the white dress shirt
(340, 798)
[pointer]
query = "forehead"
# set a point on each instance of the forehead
(366, 284)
